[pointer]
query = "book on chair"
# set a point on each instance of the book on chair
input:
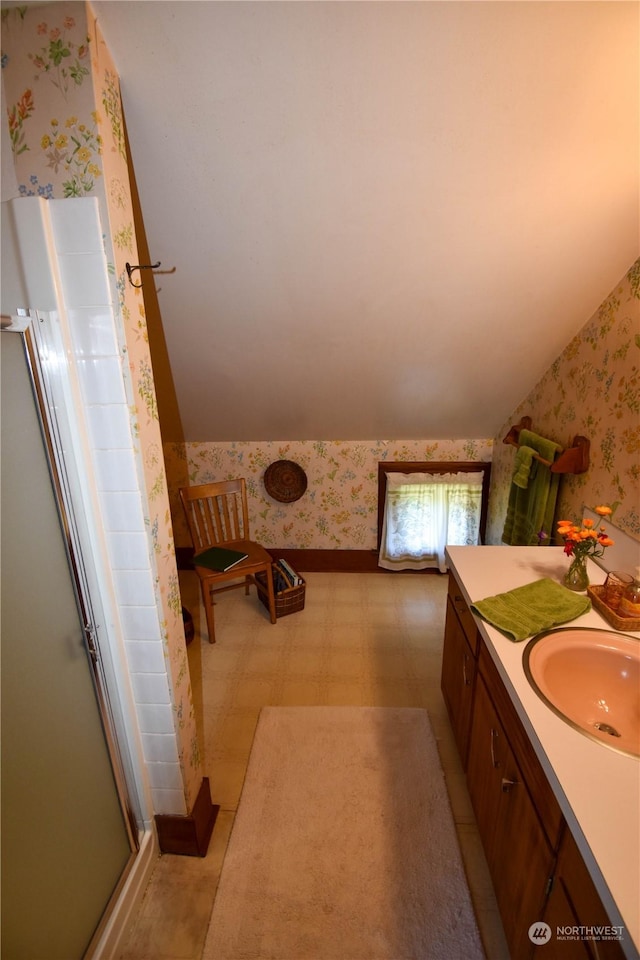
(219, 558)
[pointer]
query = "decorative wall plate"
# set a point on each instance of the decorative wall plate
(285, 481)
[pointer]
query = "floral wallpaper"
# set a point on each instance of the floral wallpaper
(67, 138)
(339, 509)
(592, 390)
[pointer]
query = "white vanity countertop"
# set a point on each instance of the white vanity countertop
(598, 789)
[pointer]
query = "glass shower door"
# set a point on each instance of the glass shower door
(65, 840)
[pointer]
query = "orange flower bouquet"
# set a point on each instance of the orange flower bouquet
(580, 542)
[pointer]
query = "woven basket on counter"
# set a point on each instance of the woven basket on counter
(596, 594)
(287, 601)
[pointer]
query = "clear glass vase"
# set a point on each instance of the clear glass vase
(576, 578)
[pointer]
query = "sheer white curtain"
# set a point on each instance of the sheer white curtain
(426, 512)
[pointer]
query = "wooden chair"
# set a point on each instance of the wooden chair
(217, 515)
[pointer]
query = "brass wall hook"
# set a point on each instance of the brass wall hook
(139, 266)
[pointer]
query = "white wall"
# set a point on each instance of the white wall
(376, 220)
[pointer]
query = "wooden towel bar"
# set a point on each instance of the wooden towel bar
(575, 459)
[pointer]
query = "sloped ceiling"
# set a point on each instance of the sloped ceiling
(384, 219)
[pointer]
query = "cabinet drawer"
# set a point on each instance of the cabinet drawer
(465, 616)
(544, 801)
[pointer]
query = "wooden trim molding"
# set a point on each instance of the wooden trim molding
(316, 561)
(189, 836)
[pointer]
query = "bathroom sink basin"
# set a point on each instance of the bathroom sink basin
(590, 678)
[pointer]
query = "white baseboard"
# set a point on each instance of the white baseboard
(112, 935)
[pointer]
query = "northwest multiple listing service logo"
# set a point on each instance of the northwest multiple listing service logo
(540, 932)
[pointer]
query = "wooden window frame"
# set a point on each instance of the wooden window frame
(435, 467)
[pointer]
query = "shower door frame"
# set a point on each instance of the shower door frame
(51, 412)
(47, 368)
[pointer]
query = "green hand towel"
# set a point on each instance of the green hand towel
(529, 610)
(531, 509)
(522, 466)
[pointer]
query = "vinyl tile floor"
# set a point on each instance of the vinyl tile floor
(362, 639)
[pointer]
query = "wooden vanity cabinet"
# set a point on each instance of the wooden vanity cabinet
(458, 679)
(519, 853)
(536, 868)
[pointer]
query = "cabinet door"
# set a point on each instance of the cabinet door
(574, 902)
(559, 913)
(518, 854)
(458, 680)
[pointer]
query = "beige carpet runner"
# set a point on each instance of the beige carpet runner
(344, 846)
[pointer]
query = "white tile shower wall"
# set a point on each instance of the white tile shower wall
(156, 718)
(109, 424)
(131, 585)
(93, 332)
(150, 688)
(168, 801)
(165, 776)
(122, 512)
(140, 623)
(101, 380)
(159, 748)
(92, 328)
(115, 471)
(145, 656)
(84, 279)
(77, 226)
(128, 551)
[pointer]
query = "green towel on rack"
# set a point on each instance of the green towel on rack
(522, 466)
(530, 509)
(529, 610)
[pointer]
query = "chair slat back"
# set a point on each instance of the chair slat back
(216, 512)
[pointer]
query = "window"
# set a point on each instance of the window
(421, 513)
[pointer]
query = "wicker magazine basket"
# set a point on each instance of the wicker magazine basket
(289, 600)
